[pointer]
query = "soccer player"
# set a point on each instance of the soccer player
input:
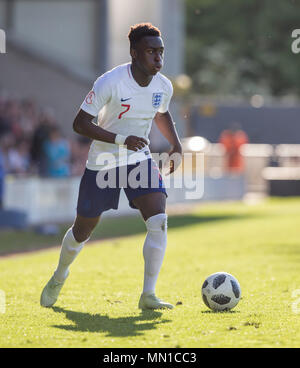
(125, 100)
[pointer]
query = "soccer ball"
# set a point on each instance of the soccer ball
(221, 291)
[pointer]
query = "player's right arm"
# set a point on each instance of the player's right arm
(83, 125)
(99, 96)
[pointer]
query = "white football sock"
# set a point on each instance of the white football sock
(154, 250)
(69, 250)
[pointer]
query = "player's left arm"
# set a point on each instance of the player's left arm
(166, 126)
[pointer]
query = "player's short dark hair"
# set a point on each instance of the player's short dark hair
(138, 31)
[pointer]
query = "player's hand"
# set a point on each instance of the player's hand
(175, 158)
(135, 143)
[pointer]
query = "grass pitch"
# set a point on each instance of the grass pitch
(260, 245)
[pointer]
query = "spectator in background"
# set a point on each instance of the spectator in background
(4, 123)
(18, 158)
(29, 119)
(40, 136)
(80, 149)
(2, 177)
(13, 116)
(57, 155)
(8, 141)
(232, 139)
(24, 130)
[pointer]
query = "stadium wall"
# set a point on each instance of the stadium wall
(59, 31)
(76, 34)
(123, 14)
(2, 14)
(265, 125)
(54, 200)
(25, 77)
(56, 49)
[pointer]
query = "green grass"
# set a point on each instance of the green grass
(98, 305)
(12, 241)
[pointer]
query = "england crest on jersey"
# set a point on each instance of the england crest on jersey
(157, 99)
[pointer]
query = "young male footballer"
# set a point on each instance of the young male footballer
(125, 100)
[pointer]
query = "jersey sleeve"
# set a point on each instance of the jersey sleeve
(98, 96)
(164, 107)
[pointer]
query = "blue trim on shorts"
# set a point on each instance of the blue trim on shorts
(93, 200)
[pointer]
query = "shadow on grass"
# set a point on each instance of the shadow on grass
(116, 327)
(127, 226)
(108, 228)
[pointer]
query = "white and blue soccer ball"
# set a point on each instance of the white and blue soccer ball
(221, 291)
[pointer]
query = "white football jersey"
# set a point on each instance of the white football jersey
(124, 107)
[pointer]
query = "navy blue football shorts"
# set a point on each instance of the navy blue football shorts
(136, 180)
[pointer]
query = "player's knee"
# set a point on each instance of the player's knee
(83, 227)
(81, 235)
(156, 240)
(157, 223)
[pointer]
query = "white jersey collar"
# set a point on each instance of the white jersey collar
(134, 82)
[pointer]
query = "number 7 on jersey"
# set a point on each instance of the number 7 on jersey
(123, 112)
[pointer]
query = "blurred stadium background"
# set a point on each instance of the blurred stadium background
(235, 83)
